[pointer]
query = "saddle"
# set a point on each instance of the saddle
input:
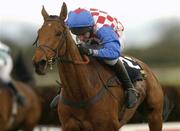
(135, 71)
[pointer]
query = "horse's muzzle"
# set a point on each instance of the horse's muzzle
(40, 66)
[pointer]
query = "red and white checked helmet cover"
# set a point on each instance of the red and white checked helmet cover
(102, 18)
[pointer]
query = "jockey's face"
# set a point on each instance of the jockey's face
(82, 33)
(84, 37)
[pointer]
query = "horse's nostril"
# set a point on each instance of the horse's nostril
(42, 63)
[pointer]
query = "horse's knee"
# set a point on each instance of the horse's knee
(72, 125)
(114, 125)
(87, 126)
(2, 123)
(155, 121)
(111, 125)
(155, 115)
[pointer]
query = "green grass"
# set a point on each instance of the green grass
(168, 75)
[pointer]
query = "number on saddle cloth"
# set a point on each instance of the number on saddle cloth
(135, 71)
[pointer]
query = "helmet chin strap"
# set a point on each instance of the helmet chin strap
(92, 31)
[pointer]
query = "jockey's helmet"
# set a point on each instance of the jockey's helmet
(80, 21)
(4, 47)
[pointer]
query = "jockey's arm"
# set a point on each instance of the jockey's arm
(111, 44)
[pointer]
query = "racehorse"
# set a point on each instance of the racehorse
(13, 116)
(90, 99)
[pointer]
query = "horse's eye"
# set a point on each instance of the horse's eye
(58, 33)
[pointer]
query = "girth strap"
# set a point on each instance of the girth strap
(92, 100)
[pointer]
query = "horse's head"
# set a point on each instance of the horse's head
(50, 42)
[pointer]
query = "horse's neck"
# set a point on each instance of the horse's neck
(74, 77)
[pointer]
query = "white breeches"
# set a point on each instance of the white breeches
(6, 65)
(111, 62)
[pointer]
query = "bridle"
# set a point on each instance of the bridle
(60, 58)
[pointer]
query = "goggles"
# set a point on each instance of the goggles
(81, 30)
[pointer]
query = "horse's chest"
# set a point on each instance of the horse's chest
(79, 114)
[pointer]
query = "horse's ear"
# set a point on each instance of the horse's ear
(44, 13)
(63, 13)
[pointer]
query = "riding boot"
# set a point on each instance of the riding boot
(20, 99)
(54, 102)
(131, 92)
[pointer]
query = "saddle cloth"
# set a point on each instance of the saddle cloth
(135, 71)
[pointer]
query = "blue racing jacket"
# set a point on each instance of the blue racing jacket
(106, 34)
(111, 43)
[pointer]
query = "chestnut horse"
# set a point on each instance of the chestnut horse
(90, 99)
(13, 116)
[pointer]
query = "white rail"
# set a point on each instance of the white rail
(174, 126)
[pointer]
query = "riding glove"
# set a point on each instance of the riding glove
(85, 51)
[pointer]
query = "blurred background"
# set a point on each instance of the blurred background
(152, 32)
(152, 28)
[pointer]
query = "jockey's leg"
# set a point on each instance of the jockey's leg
(131, 92)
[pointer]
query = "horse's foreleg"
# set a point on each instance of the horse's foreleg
(27, 127)
(112, 125)
(87, 126)
(2, 124)
(155, 120)
(72, 125)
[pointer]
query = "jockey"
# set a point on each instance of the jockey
(96, 25)
(6, 66)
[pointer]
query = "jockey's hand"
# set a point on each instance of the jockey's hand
(84, 50)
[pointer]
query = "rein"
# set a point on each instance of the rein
(76, 62)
